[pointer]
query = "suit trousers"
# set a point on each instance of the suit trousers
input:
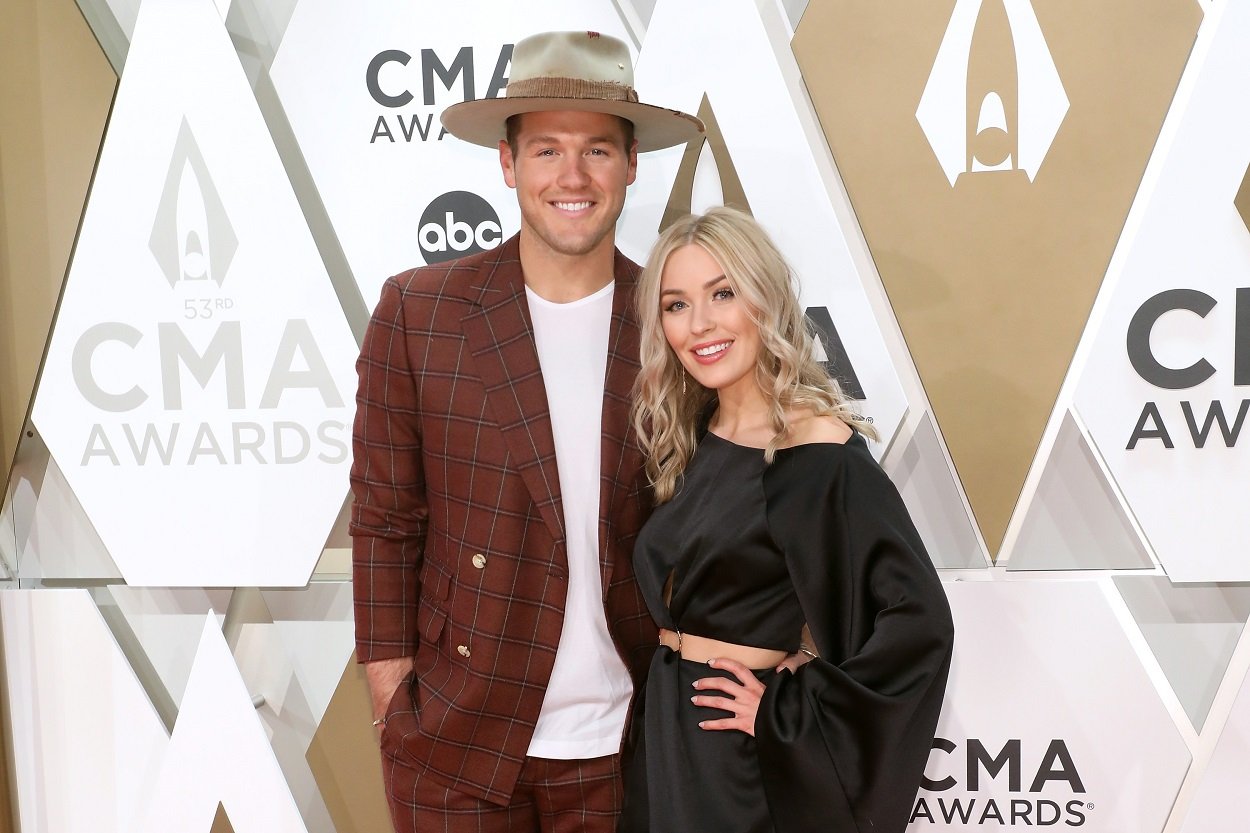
(551, 796)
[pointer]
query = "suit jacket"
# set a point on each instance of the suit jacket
(458, 532)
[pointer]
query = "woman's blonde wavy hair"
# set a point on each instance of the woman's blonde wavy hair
(668, 402)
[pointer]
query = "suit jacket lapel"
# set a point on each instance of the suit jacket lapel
(500, 337)
(620, 458)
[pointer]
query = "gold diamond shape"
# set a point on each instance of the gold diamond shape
(992, 274)
(1242, 200)
(55, 106)
(221, 822)
(344, 757)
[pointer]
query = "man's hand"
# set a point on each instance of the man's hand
(384, 677)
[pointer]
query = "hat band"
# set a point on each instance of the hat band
(571, 88)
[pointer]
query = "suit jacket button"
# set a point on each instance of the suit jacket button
(479, 561)
(463, 650)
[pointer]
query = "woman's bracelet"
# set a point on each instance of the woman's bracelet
(805, 649)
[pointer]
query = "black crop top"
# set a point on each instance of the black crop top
(730, 580)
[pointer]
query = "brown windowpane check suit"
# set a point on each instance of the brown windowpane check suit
(459, 555)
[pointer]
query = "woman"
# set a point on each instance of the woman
(772, 517)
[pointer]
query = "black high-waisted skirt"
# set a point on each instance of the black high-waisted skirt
(684, 779)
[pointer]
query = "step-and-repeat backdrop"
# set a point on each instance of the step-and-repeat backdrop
(1022, 230)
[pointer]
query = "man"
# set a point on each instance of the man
(497, 486)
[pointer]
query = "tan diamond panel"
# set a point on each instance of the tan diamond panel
(992, 279)
(55, 91)
(221, 821)
(344, 757)
(1242, 200)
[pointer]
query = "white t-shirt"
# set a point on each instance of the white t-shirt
(583, 712)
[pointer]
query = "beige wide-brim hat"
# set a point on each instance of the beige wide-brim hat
(583, 71)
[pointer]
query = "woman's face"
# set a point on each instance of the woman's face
(705, 323)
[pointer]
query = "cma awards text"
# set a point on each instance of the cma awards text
(1161, 424)
(962, 796)
(273, 433)
(392, 74)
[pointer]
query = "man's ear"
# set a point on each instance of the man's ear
(632, 174)
(507, 163)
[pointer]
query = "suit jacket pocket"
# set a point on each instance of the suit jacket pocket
(400, 711)
(432, 611)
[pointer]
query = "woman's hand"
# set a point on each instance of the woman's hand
(743, 697)
(802, 656)
(795, 661)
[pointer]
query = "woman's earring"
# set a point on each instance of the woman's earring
(683, 383)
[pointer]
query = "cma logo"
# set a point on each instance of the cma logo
(994, 100)
(192, 239)
(456, 224)
(393, 74)
(182, 437)
(977, 767)
(1152, 423)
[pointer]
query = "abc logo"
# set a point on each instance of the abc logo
(456, 224)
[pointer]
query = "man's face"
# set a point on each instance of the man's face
(570, 170)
